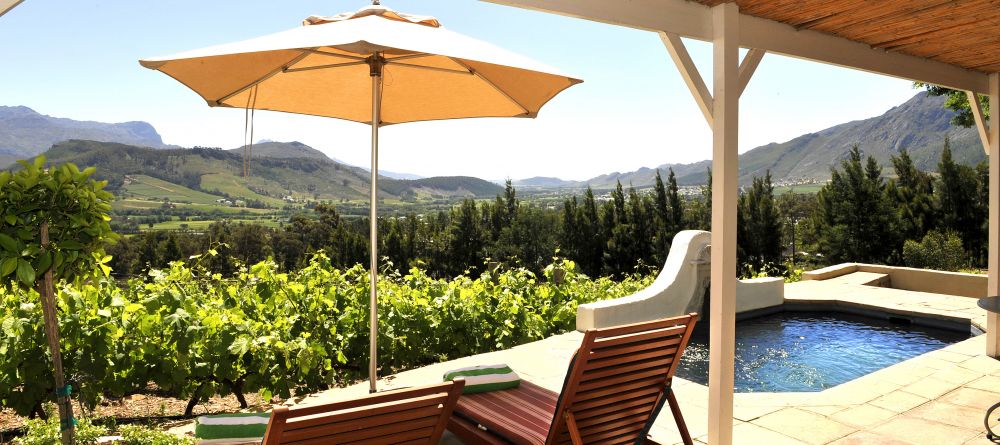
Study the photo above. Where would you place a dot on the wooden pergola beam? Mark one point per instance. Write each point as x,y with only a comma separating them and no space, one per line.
748,66
694,20
725,193
993,284
690,74
977,114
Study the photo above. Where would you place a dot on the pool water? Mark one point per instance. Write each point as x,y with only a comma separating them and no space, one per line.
812,351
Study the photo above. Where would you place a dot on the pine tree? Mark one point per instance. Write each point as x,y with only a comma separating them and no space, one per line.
855,219
663,221
594,240
759,226
961,207
913,193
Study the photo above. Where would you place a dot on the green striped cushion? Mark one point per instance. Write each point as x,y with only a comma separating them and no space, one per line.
485,378
231,426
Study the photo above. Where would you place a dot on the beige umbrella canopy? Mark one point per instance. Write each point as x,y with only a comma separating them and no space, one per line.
371,66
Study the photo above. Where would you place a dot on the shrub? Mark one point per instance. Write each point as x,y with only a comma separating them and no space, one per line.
42,432
137,435
940,251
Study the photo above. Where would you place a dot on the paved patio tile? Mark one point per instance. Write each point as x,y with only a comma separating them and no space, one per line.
951,356
985,383
958,375
826,410
750,434
972,398
805,426
930,387
955,415
982,364
924,432
863,416
899,401
869,438
748,413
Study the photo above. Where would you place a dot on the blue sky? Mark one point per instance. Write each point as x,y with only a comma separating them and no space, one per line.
78,59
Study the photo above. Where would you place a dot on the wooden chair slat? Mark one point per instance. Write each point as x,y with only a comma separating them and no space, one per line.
620,379
660,363
431,412
416,415
406,436
433,401
614,392
635,358
613,342
634,348
644,401
591,420
583,406
374,433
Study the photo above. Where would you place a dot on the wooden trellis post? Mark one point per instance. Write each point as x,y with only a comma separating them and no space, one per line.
46,289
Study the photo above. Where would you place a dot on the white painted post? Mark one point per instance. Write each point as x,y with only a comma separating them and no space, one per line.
993,288
725,131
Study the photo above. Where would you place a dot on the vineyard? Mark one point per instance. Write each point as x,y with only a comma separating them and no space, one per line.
195,334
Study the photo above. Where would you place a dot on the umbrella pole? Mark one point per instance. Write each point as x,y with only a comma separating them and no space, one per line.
375,62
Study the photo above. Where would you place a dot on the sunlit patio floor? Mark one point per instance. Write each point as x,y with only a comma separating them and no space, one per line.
938,398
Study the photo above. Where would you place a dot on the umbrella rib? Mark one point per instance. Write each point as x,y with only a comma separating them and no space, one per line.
495,87
327,53
432,68
321,67
280,69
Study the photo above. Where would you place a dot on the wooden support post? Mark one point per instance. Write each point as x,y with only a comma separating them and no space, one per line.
689,72
748,66
725,132
46,291
993,288
977,114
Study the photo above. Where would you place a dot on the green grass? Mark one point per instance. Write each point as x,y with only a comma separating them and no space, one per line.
152,189
237,187
802,189
201,225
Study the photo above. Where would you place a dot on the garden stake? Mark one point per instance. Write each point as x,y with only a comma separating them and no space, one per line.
67,424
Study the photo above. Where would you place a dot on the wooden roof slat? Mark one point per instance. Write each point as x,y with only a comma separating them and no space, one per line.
964,33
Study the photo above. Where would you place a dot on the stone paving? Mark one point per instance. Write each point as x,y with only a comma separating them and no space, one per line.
938,398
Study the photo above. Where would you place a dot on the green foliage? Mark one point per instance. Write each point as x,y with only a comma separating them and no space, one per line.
963,203
937,250
196,334
91,333
138,435
759,226
958,101
855,218
75,208
913,193
46,432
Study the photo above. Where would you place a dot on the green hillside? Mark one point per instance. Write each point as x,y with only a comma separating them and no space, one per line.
202,176
918,125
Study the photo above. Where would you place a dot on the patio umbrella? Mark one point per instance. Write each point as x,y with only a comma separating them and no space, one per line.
375,66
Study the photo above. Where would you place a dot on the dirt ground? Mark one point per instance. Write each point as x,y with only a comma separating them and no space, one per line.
148,407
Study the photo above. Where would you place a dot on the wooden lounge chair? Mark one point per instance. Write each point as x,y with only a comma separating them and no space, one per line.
615,387
407,416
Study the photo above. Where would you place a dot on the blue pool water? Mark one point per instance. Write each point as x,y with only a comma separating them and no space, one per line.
812,351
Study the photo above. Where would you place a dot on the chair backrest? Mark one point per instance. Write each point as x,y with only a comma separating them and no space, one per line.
410,416
618,381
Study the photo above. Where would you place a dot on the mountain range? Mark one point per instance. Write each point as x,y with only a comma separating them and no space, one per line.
919,125
273,179
25,133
